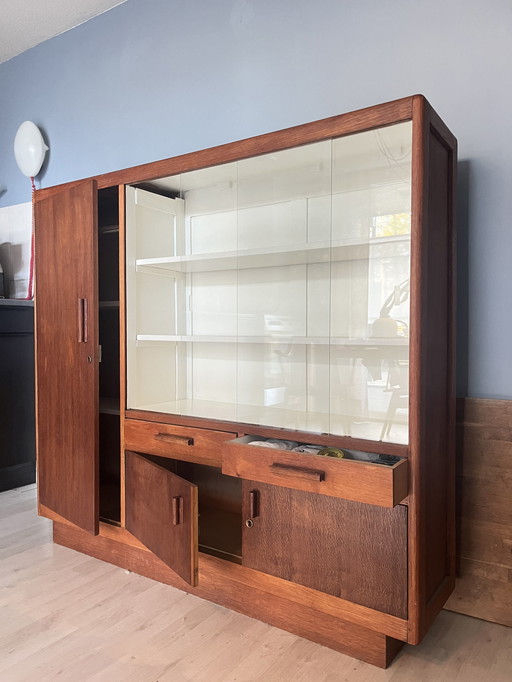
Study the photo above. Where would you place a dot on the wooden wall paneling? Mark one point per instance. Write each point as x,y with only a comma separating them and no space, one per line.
484,574
348,549
66,315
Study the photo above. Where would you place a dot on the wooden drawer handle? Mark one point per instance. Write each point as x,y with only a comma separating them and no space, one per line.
171,438
297,472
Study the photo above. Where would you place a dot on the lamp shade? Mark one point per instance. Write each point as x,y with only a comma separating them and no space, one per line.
29,149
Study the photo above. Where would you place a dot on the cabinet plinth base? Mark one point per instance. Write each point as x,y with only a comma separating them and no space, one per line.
300,619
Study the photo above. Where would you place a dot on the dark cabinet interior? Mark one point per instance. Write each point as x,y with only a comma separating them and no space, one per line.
109,365
17,429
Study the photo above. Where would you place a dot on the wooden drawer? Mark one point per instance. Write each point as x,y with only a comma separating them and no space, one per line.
177,442
375,484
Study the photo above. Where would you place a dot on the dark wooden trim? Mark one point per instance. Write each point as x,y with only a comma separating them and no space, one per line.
419,209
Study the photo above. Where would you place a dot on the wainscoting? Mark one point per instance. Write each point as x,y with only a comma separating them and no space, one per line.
484,482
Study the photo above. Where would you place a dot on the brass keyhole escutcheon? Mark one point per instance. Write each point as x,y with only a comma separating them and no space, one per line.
249,523
89,359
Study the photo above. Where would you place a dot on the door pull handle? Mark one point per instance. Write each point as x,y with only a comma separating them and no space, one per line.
177,510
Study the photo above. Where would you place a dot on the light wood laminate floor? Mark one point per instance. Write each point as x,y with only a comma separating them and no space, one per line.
67,617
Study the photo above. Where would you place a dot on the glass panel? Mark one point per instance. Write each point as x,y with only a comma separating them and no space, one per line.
275,290
369,355
285,212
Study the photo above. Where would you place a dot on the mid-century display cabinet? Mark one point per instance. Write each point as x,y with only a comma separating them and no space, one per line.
203,322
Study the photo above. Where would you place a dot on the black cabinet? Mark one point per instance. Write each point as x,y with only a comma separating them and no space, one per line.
17,439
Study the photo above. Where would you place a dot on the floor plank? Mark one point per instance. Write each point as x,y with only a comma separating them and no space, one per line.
65,616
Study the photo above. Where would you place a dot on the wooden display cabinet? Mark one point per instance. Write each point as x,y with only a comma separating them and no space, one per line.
208,325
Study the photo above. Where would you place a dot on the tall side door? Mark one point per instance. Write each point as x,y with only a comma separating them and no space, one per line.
66,327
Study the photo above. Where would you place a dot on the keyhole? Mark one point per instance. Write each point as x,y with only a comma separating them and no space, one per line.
89,359
249,523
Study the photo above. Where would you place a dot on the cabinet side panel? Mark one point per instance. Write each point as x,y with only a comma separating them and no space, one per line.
438,446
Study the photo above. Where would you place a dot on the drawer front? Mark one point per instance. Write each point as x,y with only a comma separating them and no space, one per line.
176,442
375,484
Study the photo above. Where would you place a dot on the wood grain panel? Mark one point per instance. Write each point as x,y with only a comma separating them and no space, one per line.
161,512
484,578
360,481
67,353
178,442
347,549
484,591
235,587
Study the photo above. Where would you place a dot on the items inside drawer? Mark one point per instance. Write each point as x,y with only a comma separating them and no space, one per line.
321,450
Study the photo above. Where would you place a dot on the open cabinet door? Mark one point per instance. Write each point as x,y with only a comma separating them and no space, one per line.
67,354
161,512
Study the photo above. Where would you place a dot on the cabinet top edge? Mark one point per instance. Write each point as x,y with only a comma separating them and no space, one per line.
368,118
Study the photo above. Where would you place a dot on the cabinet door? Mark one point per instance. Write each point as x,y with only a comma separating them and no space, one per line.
161,512
348,549
67,345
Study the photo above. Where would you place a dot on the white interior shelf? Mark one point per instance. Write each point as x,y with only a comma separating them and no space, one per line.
269,257
306,340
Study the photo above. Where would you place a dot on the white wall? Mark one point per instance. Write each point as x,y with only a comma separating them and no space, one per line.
15,243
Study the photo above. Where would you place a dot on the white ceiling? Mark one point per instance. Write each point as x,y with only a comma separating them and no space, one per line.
26,23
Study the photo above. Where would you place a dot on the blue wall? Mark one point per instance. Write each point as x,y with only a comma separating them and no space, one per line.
155,78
